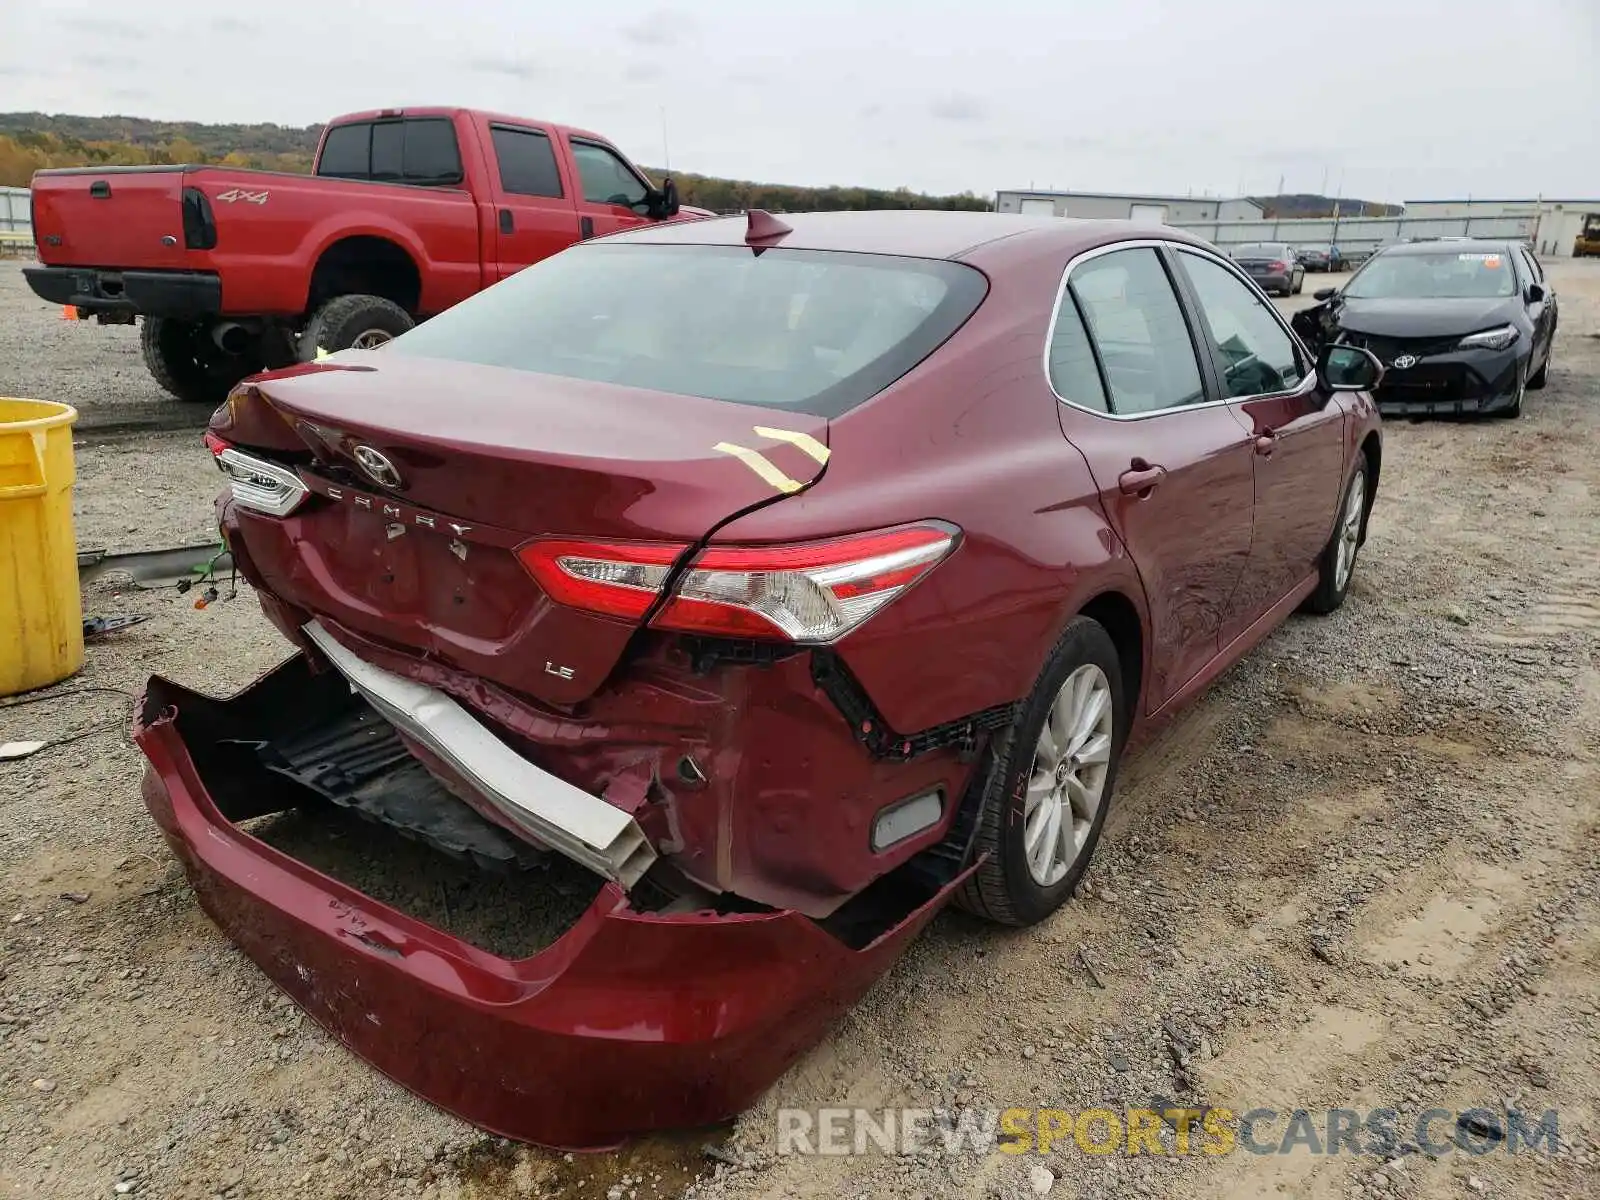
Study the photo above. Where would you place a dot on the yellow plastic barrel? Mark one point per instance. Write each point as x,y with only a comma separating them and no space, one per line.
41,614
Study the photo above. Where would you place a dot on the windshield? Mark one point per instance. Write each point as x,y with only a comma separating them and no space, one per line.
1262,250
1435,275
816,331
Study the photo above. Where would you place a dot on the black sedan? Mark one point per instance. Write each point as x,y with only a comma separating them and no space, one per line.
1463,327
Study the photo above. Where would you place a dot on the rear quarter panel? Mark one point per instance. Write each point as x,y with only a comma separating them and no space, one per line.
970,436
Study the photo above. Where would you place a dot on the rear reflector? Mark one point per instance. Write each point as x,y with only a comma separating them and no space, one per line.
812,593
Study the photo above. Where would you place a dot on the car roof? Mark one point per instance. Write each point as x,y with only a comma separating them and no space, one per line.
914,233
1467,245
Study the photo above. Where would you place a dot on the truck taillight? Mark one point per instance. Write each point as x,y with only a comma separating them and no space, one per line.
809,593
199,225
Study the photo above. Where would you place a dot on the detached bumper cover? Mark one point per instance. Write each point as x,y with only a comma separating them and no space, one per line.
627,1023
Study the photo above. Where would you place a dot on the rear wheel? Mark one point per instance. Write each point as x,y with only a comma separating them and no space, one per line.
353,322
185,359
1049,783
1299,285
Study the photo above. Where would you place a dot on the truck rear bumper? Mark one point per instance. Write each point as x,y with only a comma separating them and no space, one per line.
188,295
628,1022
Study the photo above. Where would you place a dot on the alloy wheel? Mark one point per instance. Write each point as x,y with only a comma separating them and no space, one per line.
371,339
1350,530
1070,763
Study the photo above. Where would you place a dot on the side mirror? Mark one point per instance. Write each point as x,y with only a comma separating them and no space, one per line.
1324,293
1535,293
664,203
1349,369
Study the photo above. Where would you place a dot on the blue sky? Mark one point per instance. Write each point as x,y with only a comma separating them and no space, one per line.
1397,99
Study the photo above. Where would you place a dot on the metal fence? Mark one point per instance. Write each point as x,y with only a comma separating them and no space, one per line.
1358,236
14,216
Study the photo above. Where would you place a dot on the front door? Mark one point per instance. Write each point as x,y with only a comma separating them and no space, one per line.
613,193
1174,471
1296,432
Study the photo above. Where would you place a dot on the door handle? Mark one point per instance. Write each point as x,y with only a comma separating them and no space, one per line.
507,221
585,227
1265,444
1140,479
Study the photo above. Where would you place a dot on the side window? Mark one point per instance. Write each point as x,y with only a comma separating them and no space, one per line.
388,151
527,162
606,179
346,152
1254,353
1074,374
1138,327
1531,264
431,155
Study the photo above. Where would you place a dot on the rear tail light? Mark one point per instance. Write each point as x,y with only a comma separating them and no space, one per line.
619,579
811,593
1278,266
256,483
199,225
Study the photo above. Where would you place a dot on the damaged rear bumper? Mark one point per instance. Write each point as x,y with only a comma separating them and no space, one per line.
628,1022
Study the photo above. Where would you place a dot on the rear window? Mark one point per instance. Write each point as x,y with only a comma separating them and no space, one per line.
814,331
1261,250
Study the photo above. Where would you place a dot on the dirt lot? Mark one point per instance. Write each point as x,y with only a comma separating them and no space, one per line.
1364,870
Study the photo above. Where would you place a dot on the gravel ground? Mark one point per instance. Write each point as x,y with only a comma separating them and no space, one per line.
1363,870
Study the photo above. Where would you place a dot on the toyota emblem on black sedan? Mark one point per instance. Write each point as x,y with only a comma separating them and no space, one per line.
376,466
1406,360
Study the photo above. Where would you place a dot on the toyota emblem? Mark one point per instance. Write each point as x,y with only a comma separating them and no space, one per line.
376,466
1406,360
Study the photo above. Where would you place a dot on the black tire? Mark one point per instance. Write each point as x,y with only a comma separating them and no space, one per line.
1524,382
1003,889
188,364
1331,590
345,320
1299,286
1539,378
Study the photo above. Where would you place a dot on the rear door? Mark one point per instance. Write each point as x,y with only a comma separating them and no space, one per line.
1296,432
612,193
534,217
1174,468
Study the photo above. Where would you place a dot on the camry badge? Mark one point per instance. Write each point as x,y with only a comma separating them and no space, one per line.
376,467
1406,360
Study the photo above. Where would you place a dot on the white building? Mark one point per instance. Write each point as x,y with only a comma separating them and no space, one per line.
1151,210
1555,224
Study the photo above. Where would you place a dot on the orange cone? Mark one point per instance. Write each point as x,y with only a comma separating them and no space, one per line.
69,312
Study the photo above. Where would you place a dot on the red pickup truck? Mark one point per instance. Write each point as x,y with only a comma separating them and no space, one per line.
407,212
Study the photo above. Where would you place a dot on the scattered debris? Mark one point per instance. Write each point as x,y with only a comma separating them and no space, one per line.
97,626
1094,976
720,1155
76,897
11,750
1042,1178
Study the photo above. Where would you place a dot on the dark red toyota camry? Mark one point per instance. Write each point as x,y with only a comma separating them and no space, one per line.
790,577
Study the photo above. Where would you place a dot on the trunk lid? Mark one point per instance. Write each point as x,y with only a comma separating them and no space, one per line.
113,217
476,461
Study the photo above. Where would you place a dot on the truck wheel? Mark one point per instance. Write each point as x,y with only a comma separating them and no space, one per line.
353,323
186,361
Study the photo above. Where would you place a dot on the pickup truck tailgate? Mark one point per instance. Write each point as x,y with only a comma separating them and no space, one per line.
94,218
